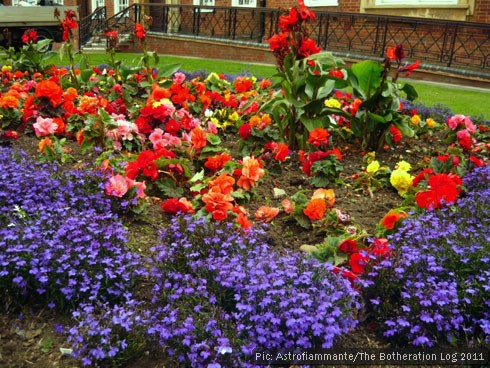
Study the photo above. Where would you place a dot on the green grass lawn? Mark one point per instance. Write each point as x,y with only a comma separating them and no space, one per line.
460,99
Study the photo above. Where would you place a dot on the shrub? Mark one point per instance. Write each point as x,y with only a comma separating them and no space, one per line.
436,284
59,242
226,294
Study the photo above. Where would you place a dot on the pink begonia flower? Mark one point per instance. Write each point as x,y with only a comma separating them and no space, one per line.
179,78
117,186
469,125
159,139
212,128
140,187
155,136
44,126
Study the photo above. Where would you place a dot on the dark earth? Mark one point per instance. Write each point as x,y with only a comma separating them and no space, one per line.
28,338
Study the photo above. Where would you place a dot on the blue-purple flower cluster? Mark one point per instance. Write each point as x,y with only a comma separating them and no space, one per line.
60,244
225,294
437,283
108,333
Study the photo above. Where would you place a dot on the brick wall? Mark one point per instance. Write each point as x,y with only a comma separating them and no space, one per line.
207,49
482,11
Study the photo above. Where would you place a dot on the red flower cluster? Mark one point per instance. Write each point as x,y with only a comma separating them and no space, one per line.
140,31
145,164
443,188
294,36
30,35
317,156
69,23
174,206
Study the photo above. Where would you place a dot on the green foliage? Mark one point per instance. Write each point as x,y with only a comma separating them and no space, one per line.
326,171
32,57
380,106
297,108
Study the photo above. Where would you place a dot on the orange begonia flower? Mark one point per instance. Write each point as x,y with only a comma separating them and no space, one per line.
9,102
252,172
391,218
223,183
198,138
51,91
43,143
326,194
243,221
315,209
217,204
266,213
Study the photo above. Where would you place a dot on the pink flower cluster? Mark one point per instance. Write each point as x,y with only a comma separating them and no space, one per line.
118,186
464,127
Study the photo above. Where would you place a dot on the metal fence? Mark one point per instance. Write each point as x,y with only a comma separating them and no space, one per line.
449,44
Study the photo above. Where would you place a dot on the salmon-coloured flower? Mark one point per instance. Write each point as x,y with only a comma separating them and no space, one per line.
287,205
252,172
315,209
266,213
117,186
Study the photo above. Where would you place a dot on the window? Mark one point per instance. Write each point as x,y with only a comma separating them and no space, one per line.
416,2
203,2
120,5
313,3
35,2
244,3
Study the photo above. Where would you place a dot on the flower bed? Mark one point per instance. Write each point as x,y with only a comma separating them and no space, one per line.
214,159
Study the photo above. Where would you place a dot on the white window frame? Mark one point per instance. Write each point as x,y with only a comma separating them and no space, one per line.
316,3
118,6
244,3
415,2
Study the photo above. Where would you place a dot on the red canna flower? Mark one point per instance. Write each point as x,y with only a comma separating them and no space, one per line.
30,35
140,31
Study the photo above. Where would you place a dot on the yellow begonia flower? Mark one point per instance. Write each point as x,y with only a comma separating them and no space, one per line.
401,181
415,119
161,102
403,165
332,102
234,116
6,68
373,167
430,122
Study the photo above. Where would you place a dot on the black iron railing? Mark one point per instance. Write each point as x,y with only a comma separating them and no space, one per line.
124,21
91,24
453,44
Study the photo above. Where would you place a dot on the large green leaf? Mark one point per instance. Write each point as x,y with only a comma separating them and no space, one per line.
168,70
368,74
312,123
410,91
404,128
